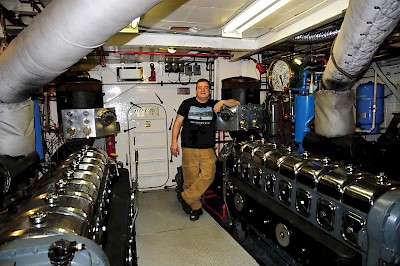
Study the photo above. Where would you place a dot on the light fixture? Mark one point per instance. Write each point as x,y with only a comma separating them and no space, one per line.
254,13
135,22
300,16
133,27
171,50
297,61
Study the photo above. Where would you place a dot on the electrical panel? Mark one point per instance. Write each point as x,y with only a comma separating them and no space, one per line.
87,123
174,65
188,70
196,70
242,117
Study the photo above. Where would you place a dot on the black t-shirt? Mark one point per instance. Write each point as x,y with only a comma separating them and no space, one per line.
199,125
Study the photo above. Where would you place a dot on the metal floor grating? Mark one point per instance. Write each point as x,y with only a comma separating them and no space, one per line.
165,235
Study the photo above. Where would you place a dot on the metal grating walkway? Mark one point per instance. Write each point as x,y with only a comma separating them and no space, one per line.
165,235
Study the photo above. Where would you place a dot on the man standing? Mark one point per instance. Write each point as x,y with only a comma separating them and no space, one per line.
197,118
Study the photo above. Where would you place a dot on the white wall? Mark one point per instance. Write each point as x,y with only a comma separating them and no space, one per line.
120,95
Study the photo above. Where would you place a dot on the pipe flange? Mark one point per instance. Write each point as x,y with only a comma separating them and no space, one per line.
282,235
238,201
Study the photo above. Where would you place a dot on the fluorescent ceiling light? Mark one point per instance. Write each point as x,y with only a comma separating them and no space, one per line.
253,14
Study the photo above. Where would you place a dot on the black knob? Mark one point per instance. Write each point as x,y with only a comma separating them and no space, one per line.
62,252
226,115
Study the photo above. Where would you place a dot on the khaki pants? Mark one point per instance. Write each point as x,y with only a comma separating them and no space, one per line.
198,168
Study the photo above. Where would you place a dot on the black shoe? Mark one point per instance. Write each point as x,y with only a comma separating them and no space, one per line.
186,207
195,215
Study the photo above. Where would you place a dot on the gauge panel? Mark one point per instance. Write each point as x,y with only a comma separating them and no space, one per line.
280,75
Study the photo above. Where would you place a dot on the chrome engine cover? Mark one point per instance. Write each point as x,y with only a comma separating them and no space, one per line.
63,223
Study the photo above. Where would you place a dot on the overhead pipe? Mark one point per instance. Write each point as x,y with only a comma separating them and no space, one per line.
315,37
169,54
387,82
56,39
45,2
35,6
365,26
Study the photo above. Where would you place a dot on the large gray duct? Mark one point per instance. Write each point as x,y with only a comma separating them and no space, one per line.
57,38
366,25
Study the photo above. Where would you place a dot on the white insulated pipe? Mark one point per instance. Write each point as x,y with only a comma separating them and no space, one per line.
56,39
366,25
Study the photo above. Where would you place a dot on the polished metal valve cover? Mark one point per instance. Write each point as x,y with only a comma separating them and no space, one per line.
315,209
68,210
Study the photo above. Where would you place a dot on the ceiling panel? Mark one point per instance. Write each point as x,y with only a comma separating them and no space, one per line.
204,15
224,4
209,16
289,14
205,19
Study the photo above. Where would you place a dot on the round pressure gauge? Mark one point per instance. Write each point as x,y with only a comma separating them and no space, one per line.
280,75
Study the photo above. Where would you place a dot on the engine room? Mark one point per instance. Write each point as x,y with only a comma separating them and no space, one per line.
306,170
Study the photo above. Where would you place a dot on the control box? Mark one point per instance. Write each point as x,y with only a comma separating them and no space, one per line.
242,117
88,123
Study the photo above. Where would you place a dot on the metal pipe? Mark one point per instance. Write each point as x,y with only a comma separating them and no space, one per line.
315,37
387,82
169,54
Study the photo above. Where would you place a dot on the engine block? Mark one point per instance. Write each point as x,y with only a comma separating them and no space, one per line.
63,223
311,210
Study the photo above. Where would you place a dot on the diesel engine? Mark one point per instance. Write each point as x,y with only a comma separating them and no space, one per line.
64,222
309,210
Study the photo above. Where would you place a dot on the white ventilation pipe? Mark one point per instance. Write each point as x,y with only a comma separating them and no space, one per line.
366,25
56,39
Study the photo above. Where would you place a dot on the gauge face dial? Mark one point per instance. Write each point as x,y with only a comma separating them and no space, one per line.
280,75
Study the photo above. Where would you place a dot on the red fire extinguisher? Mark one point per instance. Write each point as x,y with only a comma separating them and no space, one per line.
152,73
110,147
